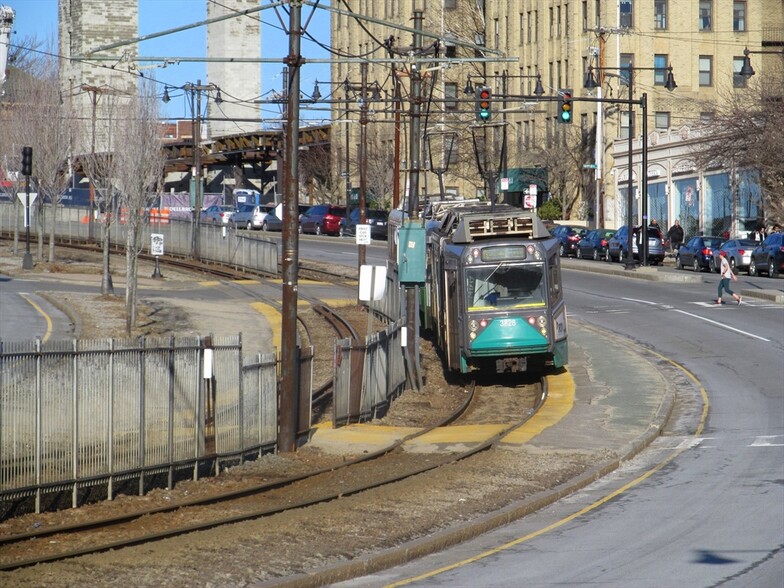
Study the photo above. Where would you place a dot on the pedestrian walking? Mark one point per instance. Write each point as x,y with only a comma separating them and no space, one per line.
675,235
726,275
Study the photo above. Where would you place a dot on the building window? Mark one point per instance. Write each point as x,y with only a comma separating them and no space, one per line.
450,3
450,50
706,15
528,37
522,28
552,23
706,70
659,69
585,15
625,118
738,16
452,153
627,59
627,14
450,96
566,20
662,120
558,22
598,11
738,81
660,14
707,117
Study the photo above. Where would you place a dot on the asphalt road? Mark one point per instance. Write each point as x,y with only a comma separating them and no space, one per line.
702,509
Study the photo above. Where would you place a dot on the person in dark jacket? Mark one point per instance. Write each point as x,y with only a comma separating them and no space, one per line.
675,235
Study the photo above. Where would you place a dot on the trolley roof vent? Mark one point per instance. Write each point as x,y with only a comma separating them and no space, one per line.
474,223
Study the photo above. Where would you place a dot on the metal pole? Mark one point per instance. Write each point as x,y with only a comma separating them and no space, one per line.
197,165
289,359
644,179
630,196
27,259
348,155
363,121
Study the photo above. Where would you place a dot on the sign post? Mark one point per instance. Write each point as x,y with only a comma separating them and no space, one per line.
156,249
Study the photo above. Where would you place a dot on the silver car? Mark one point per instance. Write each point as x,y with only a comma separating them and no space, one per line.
249,216
217,214
738,254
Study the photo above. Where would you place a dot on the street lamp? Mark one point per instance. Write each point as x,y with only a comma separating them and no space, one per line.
444,148
669,84
746,71
194,92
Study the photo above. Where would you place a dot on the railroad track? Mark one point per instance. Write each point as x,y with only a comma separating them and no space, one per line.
339,480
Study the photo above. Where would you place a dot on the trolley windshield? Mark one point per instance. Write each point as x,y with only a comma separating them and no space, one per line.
505,285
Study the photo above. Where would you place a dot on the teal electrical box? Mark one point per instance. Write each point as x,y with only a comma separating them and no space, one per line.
411,253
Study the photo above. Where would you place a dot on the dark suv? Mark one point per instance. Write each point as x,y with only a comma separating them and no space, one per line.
322,219
617,246
568,236
376,218
769,256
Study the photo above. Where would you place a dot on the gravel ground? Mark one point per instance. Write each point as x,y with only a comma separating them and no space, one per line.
250,553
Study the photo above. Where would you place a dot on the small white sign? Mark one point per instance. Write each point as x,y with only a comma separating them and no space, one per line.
22,197
372,282
156,244
504,183
529,201
533,189
363,234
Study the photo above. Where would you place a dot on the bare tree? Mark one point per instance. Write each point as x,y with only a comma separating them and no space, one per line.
100,167
138,173
745,134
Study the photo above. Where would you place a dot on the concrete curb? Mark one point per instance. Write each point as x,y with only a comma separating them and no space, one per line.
72,316
441,540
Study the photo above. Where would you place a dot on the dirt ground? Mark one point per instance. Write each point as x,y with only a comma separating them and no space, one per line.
305,540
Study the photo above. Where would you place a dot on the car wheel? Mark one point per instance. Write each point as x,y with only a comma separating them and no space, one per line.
562,250
752,268
678,264
300,229
732,265
772,269
696,266
341,231
318,229
620,256
712,266
249,226
264,226
596,256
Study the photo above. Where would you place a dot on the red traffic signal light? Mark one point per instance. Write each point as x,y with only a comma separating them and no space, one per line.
565,106
484,98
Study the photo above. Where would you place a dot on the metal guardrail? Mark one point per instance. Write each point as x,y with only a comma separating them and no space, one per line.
89,413
217,244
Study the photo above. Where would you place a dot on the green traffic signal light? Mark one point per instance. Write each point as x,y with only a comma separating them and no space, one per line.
565,106
483,103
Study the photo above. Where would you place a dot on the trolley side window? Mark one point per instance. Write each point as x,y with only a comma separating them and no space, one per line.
505,286
555,280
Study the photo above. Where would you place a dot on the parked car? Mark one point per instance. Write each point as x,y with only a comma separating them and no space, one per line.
249,216
217,214
617,245
322,219
594,244
569,237
271,221
377,219
697,252
738,254
768,256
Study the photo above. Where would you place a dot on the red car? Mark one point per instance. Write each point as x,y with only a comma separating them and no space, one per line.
323,219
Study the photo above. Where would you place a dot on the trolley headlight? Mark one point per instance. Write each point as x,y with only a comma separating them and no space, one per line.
472,335
542,320
531,321
543,331
473,325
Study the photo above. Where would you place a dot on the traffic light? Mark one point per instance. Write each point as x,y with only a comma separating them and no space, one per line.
565,106
27,161
484,98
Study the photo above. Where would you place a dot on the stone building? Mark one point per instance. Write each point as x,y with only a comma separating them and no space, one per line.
556,42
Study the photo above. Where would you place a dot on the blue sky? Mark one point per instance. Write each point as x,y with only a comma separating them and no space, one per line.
39,18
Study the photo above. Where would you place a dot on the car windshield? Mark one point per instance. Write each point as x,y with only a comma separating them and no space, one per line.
245,208
505,286
713,243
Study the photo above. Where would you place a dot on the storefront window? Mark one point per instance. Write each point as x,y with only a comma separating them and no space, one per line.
718,204
657,204
686,205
